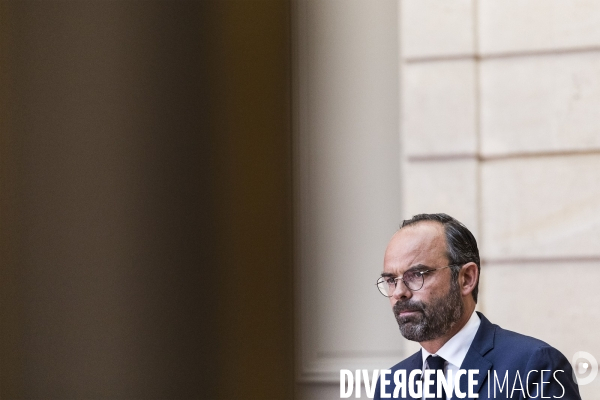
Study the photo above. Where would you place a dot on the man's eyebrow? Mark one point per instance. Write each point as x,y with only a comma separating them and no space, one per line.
412,268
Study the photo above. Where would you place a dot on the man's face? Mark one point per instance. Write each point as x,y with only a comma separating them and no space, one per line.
430,312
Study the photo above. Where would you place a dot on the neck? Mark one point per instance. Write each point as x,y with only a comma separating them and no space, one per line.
434,345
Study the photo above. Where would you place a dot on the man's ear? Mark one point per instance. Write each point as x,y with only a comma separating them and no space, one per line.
468,278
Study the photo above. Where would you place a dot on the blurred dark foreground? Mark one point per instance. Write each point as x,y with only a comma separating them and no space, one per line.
145,200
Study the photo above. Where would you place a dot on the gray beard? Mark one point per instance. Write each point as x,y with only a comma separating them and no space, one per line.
433,319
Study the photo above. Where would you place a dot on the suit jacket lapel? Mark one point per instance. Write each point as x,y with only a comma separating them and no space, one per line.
414,362
475,358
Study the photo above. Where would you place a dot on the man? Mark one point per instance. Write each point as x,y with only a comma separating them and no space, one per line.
431,276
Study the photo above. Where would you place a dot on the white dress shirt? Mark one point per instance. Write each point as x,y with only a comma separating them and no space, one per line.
455,350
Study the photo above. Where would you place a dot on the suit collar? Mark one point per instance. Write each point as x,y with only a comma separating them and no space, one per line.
414,362
484,339
475,358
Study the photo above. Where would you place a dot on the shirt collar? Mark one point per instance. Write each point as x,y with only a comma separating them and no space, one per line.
455,350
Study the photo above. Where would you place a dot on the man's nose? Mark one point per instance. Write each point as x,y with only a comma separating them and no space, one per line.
401,291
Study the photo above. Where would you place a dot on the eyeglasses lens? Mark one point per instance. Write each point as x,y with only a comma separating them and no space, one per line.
412,279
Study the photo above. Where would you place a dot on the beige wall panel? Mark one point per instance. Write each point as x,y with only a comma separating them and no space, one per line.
438,108
540,103
550,301
525,25
436,28
442,186
541,207
347,185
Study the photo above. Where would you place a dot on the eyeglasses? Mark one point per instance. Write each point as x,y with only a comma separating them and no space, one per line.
413,279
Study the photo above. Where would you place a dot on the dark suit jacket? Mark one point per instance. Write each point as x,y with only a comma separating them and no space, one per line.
498,352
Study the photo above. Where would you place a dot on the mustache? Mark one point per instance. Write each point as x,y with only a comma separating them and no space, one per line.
408,305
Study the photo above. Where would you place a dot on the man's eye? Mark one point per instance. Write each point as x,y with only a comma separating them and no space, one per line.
412,275
390,281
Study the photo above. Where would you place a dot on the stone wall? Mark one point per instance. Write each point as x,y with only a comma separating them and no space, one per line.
498,126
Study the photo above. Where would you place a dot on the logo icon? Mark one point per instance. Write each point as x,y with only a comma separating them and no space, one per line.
585,368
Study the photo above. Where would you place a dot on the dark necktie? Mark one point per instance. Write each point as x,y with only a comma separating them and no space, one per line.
437,364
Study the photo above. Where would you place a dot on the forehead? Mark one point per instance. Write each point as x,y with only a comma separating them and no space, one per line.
421,243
